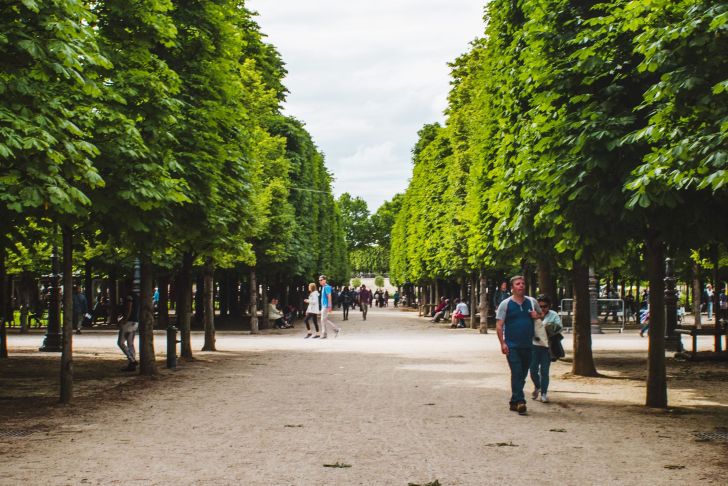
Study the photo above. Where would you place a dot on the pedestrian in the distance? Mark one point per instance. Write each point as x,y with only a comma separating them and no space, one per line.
546,327
327,302
515,329
346,301
365,300
501,294
313,310
80,308
127,331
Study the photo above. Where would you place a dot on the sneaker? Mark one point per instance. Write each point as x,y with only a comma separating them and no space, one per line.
336,333
534,395
544,398
324,337
316,336
521,408
307,336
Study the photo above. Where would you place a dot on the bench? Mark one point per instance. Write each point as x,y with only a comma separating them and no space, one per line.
694,332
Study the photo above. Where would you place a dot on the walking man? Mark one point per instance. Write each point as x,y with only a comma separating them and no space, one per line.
80,308
514,326
327,302
365,300
127,331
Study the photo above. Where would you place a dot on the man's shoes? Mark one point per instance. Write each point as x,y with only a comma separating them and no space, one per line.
324,337
336,333
513,406
544,398
521,408
130,367
534,395
307,336
460,326
78,331
316,336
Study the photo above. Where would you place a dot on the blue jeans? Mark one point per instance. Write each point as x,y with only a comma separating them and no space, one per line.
540,364
710,309
519,359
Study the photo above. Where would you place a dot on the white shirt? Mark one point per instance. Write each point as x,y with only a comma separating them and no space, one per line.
462,308
313,303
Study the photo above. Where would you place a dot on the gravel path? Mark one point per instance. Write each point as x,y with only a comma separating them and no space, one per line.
395,399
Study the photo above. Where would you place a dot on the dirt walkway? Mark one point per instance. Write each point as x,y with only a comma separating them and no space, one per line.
397,399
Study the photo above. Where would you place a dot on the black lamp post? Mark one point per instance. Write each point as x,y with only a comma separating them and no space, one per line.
52,341
673,341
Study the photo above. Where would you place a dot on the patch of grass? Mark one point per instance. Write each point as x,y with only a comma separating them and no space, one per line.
338,464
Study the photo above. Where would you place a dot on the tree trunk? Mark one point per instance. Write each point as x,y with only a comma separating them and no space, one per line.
235,295
147,362
88,283
113,297
67,341
254,329
656,373
546,280
163,304
24,300
184,305
583,363
199,301
264,304
697,295
3,304
209,304
473,300
224,295
483,304
716,299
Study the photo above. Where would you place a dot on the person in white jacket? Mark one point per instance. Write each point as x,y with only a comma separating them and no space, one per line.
313,310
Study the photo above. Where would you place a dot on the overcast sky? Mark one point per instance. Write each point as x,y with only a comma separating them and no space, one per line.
365,76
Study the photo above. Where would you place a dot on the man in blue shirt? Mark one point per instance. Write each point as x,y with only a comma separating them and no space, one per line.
514,326
327,302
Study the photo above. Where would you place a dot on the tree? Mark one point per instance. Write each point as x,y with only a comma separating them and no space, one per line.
45,154
355,218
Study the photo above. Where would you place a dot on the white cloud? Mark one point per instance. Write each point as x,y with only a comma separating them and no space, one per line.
365,77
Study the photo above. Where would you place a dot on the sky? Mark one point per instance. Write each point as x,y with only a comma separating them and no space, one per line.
364,77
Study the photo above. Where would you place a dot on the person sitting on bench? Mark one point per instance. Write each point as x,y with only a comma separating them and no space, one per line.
275,315
461,312
440,310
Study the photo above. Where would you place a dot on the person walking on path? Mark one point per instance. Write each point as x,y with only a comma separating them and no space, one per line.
346,301
365,300
127,331
709,300
515,329
80,308
501,294
313,310
327,302
540,356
